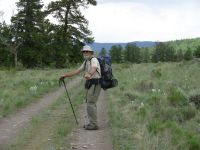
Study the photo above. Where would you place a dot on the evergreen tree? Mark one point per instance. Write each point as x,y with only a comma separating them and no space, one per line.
116,53
145,55
179,55
72,30
28,21
103,52
9,47
188,54
197,52
163,52
132,53
73,23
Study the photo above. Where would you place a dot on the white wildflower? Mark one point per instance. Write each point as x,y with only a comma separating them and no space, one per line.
33,88
153,90
141,105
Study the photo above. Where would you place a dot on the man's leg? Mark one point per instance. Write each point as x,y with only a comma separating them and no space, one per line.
92,97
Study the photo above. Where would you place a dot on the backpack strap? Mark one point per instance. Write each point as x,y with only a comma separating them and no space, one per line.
86,62
90,64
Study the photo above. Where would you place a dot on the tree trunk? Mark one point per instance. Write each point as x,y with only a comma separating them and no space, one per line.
15,55
66,22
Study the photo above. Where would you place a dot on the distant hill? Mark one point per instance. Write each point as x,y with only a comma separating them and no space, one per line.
98,46
182,44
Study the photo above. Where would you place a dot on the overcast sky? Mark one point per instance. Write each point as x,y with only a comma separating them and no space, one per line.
137,20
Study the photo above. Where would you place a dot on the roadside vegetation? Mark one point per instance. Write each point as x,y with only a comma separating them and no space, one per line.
19,88
156,106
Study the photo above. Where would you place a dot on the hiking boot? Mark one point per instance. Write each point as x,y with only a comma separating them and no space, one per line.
90,127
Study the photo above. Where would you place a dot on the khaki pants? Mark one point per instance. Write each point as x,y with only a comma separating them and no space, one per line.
92,97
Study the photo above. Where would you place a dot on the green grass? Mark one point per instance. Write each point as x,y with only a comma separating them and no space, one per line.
150,109
19,88
51,128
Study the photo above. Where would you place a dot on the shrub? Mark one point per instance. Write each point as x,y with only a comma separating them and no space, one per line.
196,100
144,86
154,127
130,96
193,143
176,96
197,52
188,112
154,100
156,73
169,114
142,112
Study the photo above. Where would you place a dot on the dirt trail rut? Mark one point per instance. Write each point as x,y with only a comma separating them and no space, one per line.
12,124
97,139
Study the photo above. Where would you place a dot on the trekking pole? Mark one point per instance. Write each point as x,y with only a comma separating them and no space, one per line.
62,81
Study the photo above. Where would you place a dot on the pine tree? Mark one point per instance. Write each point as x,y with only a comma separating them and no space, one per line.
145,55
72,30
103,52
28,22
179,55
8,44
132,53
116,53
197,52
163,52
188,54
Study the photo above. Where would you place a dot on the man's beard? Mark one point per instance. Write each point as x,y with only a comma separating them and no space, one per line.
86,57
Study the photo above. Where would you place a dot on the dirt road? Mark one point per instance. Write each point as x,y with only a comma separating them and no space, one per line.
97,139
81,139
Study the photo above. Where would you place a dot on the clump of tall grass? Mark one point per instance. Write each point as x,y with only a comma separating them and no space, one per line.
144,86
196,100
177,97
157,73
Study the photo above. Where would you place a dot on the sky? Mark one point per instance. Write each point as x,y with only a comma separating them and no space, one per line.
136,20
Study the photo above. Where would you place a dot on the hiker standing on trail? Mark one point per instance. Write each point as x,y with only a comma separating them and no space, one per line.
92,76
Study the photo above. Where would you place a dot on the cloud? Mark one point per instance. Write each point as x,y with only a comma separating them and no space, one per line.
8,7
129,21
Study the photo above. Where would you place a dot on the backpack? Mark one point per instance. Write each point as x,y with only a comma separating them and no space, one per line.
107,81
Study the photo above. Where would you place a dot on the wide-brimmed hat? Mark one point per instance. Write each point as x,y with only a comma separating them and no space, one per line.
87,48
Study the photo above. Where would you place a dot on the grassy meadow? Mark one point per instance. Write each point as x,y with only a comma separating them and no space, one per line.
151,108
19,88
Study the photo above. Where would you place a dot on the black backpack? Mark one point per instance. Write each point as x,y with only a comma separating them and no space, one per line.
107,80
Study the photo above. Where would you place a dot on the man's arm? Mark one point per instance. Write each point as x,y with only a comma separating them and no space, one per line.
90,73
70,74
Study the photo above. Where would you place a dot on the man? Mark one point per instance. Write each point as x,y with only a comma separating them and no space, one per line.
92,76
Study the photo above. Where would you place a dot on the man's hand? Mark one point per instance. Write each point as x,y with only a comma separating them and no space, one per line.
62,77
87,76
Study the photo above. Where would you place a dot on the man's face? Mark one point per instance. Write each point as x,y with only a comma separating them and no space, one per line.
86,54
